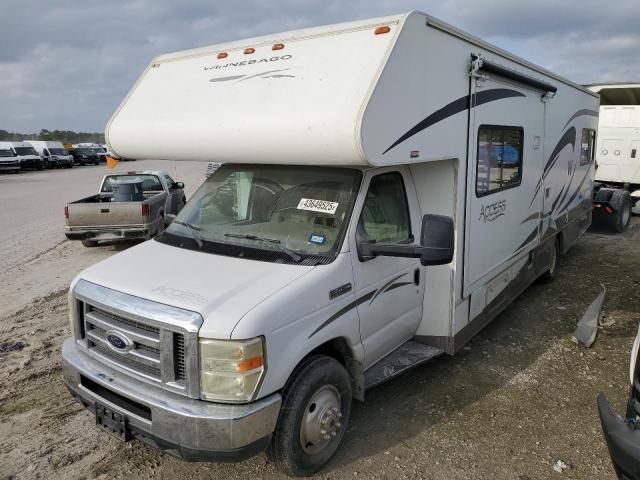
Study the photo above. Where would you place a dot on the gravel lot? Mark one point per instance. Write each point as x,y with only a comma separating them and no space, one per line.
519,398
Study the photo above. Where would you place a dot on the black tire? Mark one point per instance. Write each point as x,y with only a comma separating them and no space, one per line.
96,163
621,203
161,225
551,274
90,243
322,379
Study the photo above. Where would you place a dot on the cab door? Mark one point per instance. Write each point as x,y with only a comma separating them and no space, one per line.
389,290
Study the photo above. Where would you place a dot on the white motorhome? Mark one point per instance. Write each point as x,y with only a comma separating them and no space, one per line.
24,153
53,153
388,187
618,152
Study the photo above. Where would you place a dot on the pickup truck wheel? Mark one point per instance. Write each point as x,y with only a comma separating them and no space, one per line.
313,418
90,243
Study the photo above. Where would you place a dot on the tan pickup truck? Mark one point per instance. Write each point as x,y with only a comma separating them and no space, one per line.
105,217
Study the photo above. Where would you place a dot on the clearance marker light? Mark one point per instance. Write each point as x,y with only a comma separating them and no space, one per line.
222,55
380,30
277,46
249,51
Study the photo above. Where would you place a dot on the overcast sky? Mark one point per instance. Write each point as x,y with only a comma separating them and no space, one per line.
67,64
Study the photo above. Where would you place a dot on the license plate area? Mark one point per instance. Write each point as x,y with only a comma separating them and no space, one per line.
112,422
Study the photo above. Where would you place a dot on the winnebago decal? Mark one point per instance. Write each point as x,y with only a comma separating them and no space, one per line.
492,211
254,61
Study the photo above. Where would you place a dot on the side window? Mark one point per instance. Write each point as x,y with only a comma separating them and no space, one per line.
170,183
385,214
587,146
499,158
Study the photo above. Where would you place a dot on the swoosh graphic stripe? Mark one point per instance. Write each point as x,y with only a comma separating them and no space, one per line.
533,216
398,285
457,106
342,311
581,113
575,193
531,236
383,288
569,138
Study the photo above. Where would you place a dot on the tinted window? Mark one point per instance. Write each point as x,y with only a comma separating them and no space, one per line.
587,146
499,158
385,214
25,151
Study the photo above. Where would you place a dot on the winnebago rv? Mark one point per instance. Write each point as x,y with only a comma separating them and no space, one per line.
388,187
618,152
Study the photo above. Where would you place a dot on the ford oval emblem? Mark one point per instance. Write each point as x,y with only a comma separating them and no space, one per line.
118,341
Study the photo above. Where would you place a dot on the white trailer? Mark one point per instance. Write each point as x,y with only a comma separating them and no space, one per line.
388,187
617,191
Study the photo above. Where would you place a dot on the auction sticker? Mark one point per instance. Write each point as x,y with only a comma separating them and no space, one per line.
322,206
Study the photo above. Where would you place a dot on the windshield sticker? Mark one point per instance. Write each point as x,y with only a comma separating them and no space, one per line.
317,238
318,205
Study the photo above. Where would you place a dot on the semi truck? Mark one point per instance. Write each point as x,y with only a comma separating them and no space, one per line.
617,188
387,188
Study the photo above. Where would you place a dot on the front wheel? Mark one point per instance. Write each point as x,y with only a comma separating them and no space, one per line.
314,416
89,243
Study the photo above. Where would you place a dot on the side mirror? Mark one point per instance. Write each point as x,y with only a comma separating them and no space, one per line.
436,243
169,218
179,185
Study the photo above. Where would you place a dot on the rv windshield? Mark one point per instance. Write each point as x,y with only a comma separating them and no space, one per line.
282,213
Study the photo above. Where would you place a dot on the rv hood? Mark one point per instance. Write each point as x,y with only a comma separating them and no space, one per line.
221,289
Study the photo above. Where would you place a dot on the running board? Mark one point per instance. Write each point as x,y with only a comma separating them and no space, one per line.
406,357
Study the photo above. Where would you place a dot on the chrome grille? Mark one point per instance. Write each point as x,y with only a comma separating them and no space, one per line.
163,339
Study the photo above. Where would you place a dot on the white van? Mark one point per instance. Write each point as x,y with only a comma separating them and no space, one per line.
25,154
9,161
53,153
388,187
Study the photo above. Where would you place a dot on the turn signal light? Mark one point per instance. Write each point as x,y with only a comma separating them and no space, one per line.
66,211
250,364
277,46
223,55
380,30
248,51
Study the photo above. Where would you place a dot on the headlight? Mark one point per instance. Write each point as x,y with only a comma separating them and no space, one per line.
72,313
230,370
634,356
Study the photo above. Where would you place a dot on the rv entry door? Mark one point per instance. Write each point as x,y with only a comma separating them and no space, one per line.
505,165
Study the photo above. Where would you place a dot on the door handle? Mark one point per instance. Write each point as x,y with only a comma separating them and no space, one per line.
416,276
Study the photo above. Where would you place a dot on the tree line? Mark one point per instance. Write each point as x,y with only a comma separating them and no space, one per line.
64,136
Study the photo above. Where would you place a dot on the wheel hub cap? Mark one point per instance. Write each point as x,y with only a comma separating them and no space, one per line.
321,421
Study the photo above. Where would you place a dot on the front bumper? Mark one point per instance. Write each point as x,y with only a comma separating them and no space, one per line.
107,234
193,430
623,441
11,165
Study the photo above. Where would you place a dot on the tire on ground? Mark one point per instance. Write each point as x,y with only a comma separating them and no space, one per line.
317,375
621,203
552,272
90,243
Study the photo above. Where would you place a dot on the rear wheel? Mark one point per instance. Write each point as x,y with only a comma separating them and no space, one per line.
314,416
552,272
90,243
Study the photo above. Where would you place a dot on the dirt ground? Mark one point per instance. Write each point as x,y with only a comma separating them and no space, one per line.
517,399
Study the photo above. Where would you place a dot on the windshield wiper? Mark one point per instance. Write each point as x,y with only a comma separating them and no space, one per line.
293,255
195,231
